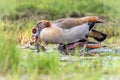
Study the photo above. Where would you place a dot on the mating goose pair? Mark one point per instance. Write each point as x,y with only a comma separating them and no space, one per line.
67,30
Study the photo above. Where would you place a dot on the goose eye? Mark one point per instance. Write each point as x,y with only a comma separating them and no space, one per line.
34,30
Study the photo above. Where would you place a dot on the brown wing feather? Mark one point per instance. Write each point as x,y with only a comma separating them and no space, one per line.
71,22
89,19
99,36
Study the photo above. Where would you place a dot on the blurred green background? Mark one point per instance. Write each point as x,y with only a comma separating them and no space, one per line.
54,9
17,17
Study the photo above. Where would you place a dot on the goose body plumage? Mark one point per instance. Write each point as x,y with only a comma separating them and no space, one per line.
66,30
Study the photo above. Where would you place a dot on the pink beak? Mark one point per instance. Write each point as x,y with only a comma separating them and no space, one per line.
35,38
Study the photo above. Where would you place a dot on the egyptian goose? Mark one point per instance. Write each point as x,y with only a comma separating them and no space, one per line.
98,36
66,23
68,30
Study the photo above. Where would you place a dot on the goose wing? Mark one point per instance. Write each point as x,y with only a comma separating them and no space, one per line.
67,23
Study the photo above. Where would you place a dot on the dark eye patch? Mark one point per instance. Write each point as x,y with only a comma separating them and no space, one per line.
34,30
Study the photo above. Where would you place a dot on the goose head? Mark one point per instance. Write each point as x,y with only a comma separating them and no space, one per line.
39,26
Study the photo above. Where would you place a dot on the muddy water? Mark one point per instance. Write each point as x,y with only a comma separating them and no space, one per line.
95,53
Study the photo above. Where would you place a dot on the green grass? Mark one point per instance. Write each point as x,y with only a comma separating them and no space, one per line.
54,9
19,16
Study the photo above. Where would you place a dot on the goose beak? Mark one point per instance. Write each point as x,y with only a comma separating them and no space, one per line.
35,38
